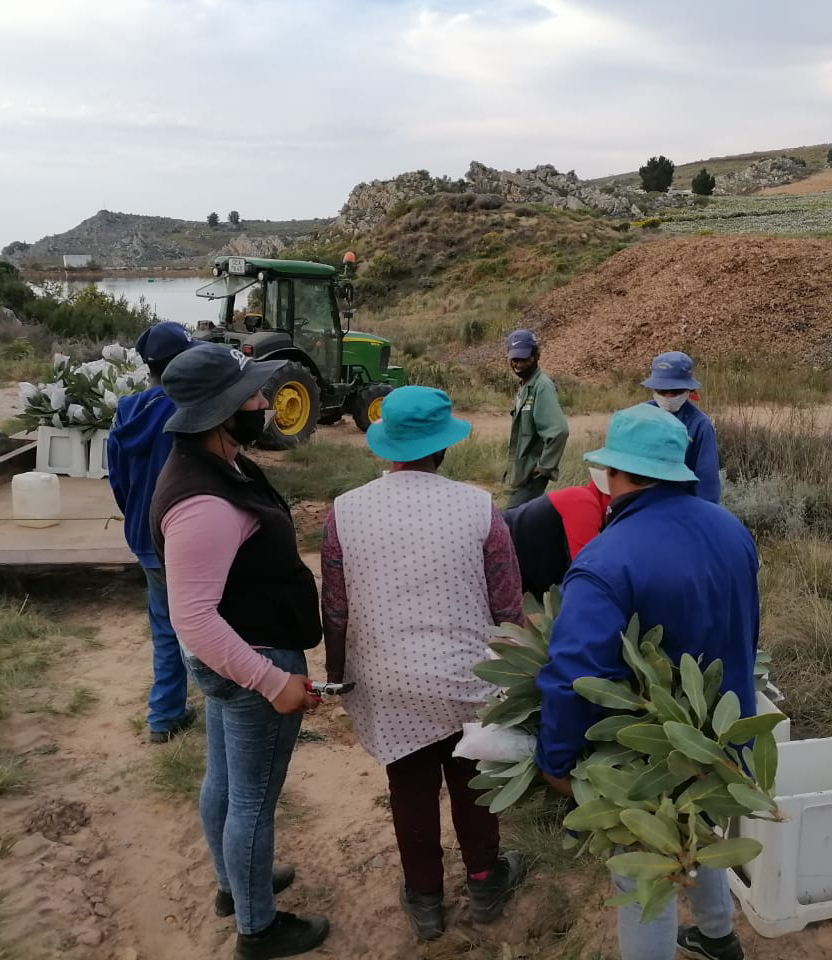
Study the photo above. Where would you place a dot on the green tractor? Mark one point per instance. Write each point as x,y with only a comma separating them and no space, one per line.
289,310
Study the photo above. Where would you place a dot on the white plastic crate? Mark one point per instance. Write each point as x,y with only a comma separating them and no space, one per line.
790,883
783,731
98,455
62,450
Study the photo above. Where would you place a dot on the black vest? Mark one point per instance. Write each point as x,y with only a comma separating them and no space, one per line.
270,597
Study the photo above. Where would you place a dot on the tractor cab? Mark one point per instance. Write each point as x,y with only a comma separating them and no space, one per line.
288,309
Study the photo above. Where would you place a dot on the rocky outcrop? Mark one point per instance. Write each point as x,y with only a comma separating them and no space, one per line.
369,203
129,241
769,172
545,184
243,245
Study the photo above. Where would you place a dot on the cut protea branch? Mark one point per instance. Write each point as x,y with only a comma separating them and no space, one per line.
673,760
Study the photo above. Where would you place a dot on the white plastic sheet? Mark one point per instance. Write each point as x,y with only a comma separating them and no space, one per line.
491,742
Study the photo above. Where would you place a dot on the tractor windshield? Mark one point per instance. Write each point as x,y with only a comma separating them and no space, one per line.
224,287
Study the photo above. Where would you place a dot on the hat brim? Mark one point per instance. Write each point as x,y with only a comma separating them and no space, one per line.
671,383
208,415
642,466
407,450
520,353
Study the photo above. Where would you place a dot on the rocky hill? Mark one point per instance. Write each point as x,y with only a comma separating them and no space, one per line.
745,166
369,203
126,240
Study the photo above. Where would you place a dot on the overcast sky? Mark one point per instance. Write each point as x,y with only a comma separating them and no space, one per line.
276,109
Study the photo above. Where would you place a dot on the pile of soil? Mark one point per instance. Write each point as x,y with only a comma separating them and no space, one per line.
711,296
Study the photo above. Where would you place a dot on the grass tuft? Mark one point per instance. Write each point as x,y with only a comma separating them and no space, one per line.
13,774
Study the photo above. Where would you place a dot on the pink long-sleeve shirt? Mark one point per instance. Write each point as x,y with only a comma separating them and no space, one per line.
202,536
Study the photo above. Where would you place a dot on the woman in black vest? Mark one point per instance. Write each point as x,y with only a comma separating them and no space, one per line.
245,608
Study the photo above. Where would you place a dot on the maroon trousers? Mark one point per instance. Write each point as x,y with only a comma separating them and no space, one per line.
415,782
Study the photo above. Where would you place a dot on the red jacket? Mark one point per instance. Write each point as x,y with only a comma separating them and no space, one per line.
582,510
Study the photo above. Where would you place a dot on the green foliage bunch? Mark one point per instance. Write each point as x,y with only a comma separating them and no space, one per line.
657,174
670,764
703,183
521,652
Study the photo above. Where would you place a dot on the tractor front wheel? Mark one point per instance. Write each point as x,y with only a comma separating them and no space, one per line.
367,406
295,400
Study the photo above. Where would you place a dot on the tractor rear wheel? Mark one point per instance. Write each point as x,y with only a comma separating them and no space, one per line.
295,399
367,406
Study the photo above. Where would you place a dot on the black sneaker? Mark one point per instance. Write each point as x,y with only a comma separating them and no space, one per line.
426,913
693,943
287,936
178,726
488,896
282,877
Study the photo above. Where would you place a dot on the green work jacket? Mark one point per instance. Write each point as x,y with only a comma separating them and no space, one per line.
538,432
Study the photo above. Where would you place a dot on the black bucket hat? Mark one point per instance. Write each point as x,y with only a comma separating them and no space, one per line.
209,384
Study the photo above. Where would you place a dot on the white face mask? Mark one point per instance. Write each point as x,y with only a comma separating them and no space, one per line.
601,479
671,404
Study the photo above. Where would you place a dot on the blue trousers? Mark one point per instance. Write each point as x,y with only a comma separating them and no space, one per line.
710,902
249,748
168,695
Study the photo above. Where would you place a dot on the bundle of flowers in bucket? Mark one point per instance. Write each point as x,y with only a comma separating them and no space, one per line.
74,408
669,765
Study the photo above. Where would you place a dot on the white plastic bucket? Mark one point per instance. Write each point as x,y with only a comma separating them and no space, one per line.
36,499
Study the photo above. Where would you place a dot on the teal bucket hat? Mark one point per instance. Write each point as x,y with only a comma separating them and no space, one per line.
415,422
648,442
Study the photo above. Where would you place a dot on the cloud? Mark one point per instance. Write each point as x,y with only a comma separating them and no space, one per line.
278,108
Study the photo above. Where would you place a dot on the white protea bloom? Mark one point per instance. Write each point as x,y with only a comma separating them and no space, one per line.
77,413
141,375
56,420
114,352
57,398
133,357
60,359
27,392
110,398
123,385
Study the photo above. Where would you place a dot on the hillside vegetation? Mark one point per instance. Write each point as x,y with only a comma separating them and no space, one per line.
815,157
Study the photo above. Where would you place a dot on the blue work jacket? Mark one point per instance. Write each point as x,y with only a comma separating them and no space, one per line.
702,456
675,560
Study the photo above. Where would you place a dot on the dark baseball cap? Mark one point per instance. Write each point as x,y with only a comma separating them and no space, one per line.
163,341
210,384
521,344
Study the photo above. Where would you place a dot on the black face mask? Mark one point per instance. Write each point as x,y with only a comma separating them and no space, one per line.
246,426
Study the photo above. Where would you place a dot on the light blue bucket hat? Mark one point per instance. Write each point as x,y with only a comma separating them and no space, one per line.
415,422
646,441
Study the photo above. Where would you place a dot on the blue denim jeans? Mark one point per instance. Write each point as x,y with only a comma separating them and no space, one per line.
249,748
168,695
711,904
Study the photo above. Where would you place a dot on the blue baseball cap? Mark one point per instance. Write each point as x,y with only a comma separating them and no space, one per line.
672,371
415,422
210,384
163,341
646,441
521,344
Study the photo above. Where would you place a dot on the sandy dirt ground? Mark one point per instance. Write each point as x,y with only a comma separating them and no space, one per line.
97,864
817,183
9,403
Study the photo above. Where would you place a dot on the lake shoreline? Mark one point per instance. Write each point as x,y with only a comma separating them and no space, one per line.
148,273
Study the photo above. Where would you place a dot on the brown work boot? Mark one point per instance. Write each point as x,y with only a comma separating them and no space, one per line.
488,896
